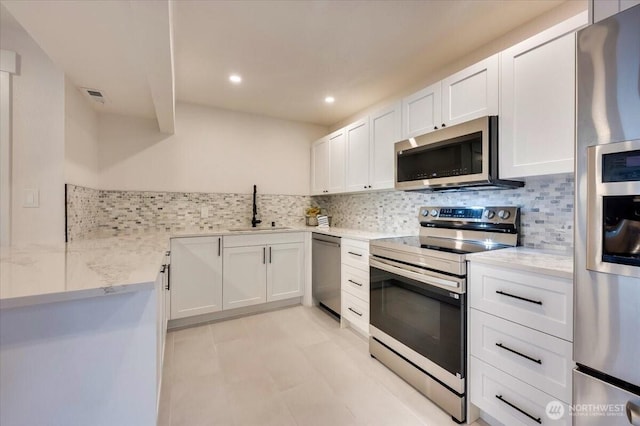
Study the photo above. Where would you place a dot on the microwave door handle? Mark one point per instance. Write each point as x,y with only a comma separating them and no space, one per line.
423,278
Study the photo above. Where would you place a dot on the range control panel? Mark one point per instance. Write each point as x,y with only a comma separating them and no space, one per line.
499,214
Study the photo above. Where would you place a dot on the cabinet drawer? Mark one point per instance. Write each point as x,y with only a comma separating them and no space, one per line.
356,282
356,311
541,360
542,302
503,396
262,239
356,254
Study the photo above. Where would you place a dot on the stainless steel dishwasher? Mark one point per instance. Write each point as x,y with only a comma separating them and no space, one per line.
326,271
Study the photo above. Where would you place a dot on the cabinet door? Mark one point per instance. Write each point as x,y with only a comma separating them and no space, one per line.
471,93
320,166
358,156
244,276
196,276
385,132
421,112
537,108
285,266
337,161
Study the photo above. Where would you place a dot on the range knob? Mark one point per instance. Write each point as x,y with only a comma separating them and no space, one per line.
425,212
489,214
434,212
504,214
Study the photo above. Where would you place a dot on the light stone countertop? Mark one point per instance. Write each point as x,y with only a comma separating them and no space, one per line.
354,234
36,274
99,266
541,261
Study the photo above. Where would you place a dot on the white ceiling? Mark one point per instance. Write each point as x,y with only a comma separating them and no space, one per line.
291,54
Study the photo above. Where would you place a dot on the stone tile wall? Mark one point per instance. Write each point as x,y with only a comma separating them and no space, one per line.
91,211
546,210
546,204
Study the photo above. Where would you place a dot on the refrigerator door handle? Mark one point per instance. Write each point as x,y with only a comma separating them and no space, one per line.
633,413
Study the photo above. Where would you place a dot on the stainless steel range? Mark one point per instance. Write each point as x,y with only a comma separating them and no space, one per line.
418,300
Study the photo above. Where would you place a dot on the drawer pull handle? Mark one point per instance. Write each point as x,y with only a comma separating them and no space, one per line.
355,254
500,345
355,312
537,302
535,419
356,283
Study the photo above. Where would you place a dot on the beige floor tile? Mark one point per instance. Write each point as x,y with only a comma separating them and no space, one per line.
293,366
287,366
256,402
313,403
194,357
199,401
225,331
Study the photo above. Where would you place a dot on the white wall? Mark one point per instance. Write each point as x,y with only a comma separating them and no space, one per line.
37,140
212,150
81,139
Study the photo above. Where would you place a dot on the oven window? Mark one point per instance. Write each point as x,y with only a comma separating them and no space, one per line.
621,230
424,318
458,157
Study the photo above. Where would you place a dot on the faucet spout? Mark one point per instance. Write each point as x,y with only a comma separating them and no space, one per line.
254,220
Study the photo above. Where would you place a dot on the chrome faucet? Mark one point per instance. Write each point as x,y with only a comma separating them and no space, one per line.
255,221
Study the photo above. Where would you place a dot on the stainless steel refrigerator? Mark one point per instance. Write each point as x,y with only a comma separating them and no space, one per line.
606,345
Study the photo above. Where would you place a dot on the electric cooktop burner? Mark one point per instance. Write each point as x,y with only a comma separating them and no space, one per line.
459,231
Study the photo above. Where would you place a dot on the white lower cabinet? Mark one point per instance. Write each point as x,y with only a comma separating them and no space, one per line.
354,278
285,271
262,268
520,344
512,401
245,279
196,276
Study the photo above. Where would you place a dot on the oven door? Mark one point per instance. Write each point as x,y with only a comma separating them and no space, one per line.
422,322
613,213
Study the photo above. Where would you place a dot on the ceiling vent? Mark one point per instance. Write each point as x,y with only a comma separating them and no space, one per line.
94,94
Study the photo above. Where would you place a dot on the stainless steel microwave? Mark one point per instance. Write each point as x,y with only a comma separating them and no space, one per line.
464,156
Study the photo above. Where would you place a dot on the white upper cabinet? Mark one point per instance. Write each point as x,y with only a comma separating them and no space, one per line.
358,155
421,111
537,108
320,166
337,162
385,130
471,93
468,94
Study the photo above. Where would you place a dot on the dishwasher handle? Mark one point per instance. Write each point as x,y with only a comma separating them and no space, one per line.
328,243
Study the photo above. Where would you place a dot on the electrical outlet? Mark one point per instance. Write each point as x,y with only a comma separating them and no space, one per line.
31,198
204,212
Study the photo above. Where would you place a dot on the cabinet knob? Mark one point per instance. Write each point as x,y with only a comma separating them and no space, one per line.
369,186
435,127
444,125
365,187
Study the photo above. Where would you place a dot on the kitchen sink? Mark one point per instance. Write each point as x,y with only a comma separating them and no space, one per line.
265,228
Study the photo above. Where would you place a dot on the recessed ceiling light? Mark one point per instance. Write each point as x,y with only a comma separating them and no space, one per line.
235,79
329,99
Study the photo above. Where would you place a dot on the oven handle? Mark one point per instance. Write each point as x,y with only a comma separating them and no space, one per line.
423,278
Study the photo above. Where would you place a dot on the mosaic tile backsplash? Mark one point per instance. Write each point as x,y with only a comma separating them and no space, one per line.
546,210
546,213
91,211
